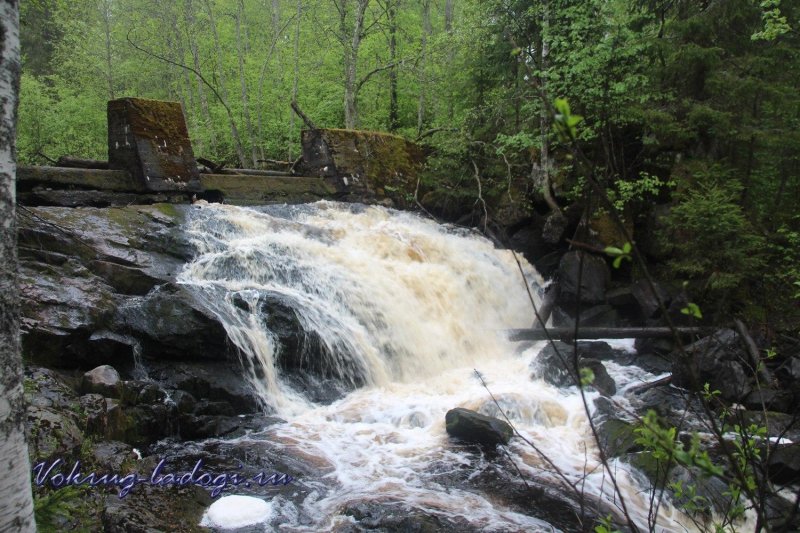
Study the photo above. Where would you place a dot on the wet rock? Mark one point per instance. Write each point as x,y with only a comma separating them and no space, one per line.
113,456
124,279
474,427
771,399
140,425
647,298
595,316
705,493
103,380
52,434
45,388
384,517
208,380
172,325
555,364
674,406
784,463
529,240
716,360
617,437
94,408
547,265
137,392
594,277
148,509
184,401
193,427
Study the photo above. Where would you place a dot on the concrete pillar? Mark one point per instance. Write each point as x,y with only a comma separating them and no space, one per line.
149,139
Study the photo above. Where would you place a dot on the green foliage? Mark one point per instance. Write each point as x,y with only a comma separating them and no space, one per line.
645,188
775,23
692,309
619,254
587,376
55,509
718,246
566,122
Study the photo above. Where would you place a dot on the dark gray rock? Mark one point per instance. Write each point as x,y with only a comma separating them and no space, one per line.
647,298
184,401
474,427
208,380
617,437
171,324
94,408
594,277
103,380
771,399
52,434
595,316
112,456
555,364
784,463
719,360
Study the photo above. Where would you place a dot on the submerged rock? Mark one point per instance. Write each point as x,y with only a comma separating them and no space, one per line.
474,427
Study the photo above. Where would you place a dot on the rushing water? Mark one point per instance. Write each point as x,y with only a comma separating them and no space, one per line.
401,311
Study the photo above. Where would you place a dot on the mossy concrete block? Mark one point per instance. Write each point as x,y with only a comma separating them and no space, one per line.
368,163
149,139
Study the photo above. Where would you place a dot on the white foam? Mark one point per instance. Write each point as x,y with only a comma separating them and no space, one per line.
232,512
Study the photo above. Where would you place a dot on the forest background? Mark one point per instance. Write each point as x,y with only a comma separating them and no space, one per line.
691,108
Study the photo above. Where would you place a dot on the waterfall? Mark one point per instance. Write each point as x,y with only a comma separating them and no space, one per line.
397,312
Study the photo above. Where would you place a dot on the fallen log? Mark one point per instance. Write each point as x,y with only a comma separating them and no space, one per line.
77,162
247,172
602,333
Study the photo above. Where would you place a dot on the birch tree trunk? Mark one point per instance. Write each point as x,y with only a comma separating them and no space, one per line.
351,64
223,89
296,79
394,118
189,16
241,50
540,174
427,29
16,500
106,15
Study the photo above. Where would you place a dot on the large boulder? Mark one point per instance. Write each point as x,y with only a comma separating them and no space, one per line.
474,427
719,360
593,274
103,380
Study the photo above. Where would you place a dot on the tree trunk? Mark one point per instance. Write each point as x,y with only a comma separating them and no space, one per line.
106,14
237,142
240,49
296,79
540,173
394,119
427,29
351,48
200,89
16,500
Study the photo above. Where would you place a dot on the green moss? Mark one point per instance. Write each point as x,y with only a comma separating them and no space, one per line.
167,209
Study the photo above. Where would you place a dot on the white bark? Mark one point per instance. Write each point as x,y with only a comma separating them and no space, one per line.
351,49
16,501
